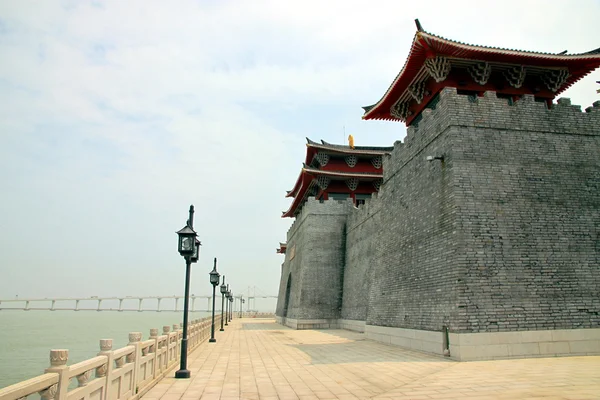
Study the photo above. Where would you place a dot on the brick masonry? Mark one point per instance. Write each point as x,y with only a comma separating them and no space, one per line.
501,235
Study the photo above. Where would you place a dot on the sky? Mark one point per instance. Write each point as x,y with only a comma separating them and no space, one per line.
115,116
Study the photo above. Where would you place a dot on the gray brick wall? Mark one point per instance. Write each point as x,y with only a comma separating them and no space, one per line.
319,238
362,231
528,202
503,234
414,271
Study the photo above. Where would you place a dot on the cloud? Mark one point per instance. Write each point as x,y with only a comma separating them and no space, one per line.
115,116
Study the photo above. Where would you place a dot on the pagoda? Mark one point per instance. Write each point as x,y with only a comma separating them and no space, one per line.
435,62
282,248
338,172
483,240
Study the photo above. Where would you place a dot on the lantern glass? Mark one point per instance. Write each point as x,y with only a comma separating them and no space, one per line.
187,238
195,256
214,277
223,289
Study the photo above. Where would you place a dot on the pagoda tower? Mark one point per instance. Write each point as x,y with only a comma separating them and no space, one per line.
337,172
481,237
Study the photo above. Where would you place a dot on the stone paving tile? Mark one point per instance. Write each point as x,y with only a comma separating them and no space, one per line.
260,360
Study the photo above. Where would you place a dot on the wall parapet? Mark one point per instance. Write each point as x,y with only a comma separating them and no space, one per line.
314,206
524,114
489,112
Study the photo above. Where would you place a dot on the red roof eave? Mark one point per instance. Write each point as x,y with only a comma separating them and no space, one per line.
299,197
424,43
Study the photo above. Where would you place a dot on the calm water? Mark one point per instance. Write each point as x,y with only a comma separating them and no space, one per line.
26,337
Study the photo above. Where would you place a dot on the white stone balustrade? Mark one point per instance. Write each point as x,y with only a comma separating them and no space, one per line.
123,374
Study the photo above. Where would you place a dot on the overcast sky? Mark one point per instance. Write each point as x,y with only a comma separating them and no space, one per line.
116,116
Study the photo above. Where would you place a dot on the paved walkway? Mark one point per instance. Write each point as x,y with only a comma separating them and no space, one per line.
258,359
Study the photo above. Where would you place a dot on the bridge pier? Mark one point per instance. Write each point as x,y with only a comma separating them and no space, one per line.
52,308
140,305
121,305
76,305
158,306
193,304
27,305
99,302
176,303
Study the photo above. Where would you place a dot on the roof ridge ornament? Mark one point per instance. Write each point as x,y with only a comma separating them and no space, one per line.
352,183
515,76
417,91
438,67
351,160
322,158
323,182
555,79
480,72
399,110
377,184
377,162
419,26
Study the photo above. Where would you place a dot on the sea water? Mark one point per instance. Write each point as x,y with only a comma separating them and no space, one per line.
26,337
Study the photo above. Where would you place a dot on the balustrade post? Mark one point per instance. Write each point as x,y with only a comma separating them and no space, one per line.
166,331
58,364
134,340
104,371
154,349
177,347
195,333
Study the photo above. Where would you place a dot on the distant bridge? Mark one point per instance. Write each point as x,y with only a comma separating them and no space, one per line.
73,303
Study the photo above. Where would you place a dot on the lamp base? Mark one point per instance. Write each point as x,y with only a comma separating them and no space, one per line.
182,374
221,330
212,340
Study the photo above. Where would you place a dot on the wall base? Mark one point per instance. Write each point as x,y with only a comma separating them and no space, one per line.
493,345
470,346
308,323
352,325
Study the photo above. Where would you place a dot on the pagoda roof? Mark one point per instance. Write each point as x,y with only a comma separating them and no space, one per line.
427,46
341,174
306,181
282,248
312,148
343,149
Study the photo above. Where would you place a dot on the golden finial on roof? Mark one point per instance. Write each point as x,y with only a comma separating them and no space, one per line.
351,141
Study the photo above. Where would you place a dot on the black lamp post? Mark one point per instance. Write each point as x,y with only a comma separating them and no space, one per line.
227,305
189,248
231,305
242,301
214,281
223,290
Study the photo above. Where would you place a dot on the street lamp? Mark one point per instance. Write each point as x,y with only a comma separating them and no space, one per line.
231,305
188,248
223,290
242,301
227,293
214,281
196,255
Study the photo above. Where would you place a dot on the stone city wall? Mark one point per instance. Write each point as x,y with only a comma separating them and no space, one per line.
499,233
